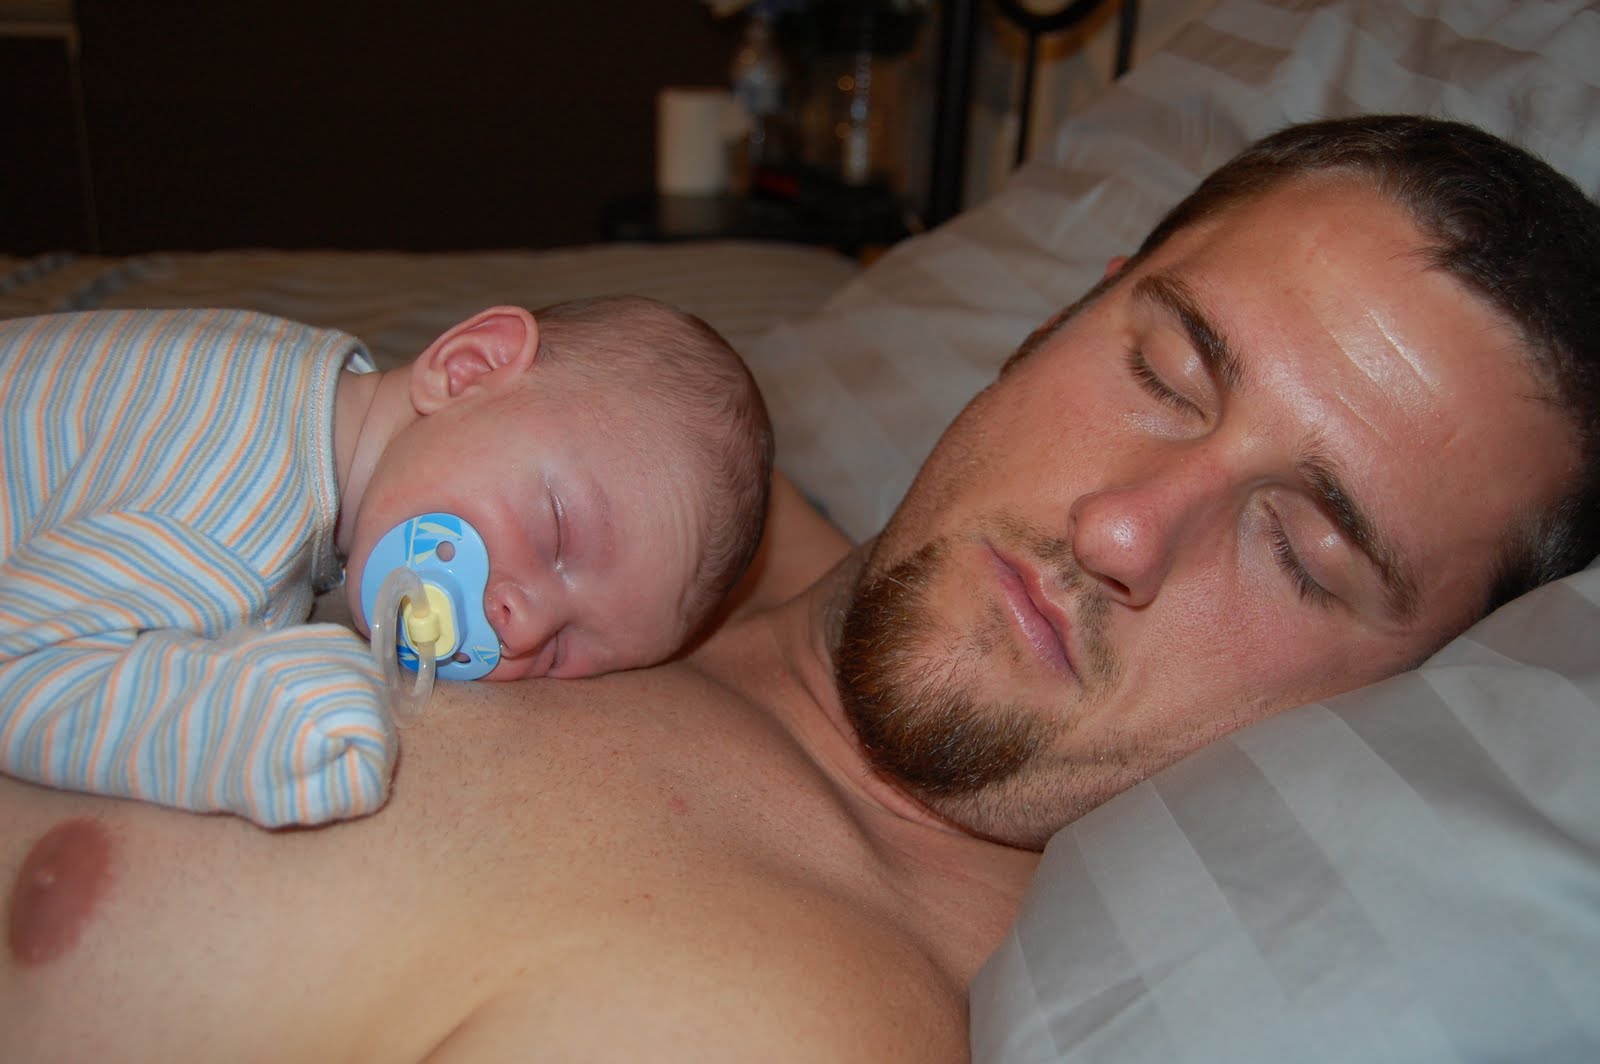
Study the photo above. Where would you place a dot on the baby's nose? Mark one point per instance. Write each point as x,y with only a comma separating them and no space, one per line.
520,621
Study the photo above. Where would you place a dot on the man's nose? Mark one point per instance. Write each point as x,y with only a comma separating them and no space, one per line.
1128,534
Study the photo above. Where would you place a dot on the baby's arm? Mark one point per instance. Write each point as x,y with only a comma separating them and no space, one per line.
107,686
281,727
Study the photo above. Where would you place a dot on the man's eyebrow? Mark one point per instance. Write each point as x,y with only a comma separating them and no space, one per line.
1322,479
1172,295
1398,577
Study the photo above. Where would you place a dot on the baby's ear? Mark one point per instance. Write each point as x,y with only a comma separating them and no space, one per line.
487,350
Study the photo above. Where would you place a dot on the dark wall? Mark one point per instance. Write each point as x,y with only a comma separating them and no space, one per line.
378,123
42,187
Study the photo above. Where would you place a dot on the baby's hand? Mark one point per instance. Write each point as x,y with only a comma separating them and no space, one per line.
314,742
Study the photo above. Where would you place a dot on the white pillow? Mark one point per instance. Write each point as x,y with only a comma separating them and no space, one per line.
1410,872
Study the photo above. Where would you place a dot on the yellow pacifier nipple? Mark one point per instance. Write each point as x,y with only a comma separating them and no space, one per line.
431,622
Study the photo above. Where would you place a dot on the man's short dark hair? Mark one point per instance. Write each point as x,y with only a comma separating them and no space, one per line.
1502,222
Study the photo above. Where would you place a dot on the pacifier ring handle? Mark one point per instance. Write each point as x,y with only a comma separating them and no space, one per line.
406,700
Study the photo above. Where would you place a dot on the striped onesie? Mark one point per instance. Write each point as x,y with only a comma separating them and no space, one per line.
167,517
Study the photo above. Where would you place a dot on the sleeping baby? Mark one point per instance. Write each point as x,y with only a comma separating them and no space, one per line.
180,484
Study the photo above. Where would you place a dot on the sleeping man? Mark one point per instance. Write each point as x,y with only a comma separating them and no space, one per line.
1340,403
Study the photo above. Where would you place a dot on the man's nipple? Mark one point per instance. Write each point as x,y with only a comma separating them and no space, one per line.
56,890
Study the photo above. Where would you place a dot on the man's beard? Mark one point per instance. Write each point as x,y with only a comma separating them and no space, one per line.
909,685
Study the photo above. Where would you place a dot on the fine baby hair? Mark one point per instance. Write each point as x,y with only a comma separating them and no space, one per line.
687,388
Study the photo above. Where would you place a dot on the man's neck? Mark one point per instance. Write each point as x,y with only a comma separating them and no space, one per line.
820,614
782,660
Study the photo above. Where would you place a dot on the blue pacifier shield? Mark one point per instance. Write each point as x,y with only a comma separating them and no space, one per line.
462,573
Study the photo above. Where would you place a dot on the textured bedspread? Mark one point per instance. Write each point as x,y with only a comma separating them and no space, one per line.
397,302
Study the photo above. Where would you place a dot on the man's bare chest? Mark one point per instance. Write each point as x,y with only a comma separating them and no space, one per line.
523,846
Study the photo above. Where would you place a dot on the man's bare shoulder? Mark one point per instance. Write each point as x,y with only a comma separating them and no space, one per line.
792,977
749,918
798,545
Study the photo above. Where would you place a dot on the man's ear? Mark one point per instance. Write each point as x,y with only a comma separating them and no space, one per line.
488,349
1115,266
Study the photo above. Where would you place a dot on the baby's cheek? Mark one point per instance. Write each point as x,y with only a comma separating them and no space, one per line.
511,669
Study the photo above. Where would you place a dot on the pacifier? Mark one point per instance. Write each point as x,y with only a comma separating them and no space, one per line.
422,597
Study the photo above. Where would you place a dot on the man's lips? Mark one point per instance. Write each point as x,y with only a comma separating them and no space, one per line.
1044,626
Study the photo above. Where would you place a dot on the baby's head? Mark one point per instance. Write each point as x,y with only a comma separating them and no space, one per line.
618,470
690,452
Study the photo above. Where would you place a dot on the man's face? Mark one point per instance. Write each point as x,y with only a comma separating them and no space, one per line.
1272,462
